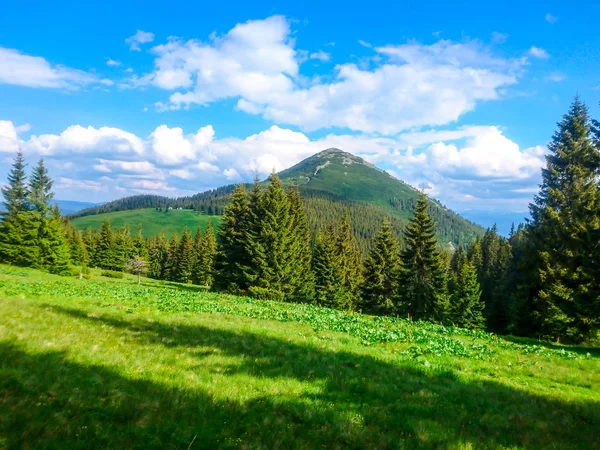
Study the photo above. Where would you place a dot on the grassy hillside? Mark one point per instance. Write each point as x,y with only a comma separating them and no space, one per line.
105,363
152,221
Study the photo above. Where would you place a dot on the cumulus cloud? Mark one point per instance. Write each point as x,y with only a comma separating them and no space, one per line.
19,69
404,86
537,52
475,164
550,18
140,37
111,62
321,56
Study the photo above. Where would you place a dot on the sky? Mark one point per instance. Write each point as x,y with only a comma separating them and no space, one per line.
124,98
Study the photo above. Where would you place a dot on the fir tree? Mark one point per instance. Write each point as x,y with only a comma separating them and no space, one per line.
140,248
185,258
565,229
422,284
17,229
106,255
381,273
54,249
124,249
232,256
350,263
89,239
40,190
301,275
77,247
171,260
325,266
158,251
466,305
207,249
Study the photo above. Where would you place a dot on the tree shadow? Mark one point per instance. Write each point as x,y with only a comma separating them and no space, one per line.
361,402
177,286
581,350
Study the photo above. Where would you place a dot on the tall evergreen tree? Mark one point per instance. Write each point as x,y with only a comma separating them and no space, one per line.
89,239
232,256
565,230
466,305
54,249
171,261
77,247
185,257
158,252
40,189
326,268
205,257
140,248
350,263
106,254
301,275
17,229
381,273
422,283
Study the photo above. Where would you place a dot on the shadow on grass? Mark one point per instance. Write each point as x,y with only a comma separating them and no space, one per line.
47,401
582,350
177,286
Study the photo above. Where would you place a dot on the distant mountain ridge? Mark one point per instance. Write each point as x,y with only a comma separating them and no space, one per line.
330,181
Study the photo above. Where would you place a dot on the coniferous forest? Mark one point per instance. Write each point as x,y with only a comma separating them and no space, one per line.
541,281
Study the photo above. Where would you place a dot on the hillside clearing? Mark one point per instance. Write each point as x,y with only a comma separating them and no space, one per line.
152,221
105,363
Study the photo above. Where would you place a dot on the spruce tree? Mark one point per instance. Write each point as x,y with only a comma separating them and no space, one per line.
422,283
171,261
124,249
106,254
40,190
232,256
381,273
54,249
466,305
301,276
185,258
350,263
77,247
207,249
565,228
17,229
89,239
158,250
326,269
140,248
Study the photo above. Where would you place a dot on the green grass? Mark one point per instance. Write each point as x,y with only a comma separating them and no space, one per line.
104,363
153,222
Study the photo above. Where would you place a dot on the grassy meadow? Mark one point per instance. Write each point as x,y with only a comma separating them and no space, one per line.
105,363
153,221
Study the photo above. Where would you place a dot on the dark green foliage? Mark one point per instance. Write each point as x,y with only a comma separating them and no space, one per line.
140,248
124,249
206,250
40,189
171,261
90,240
106,256
158,252
53,247
381,272
77,247
466,305
422,282
565,232
232,256
350,264
185,258
325,265
18,229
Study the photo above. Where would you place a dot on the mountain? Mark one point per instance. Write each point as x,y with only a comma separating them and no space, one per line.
71,206
331,182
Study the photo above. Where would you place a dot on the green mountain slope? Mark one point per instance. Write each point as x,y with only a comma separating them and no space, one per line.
330,181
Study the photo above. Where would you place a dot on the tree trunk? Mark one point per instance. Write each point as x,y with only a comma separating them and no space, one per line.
139,278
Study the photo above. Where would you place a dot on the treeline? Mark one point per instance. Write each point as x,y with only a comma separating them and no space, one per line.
542,281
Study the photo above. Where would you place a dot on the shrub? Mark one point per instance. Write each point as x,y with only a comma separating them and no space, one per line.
112,274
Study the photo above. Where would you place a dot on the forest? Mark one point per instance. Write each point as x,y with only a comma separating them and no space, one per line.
541,281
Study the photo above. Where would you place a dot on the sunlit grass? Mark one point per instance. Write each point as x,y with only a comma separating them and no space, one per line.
106,364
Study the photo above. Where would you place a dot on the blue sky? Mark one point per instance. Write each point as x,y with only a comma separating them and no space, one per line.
141,97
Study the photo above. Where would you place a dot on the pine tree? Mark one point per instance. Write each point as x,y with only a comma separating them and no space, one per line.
106,255
207,249
77,247
381,273
466,305
171,261
54,249
350,263
422,284
17,229
140,248
232,256
185,258
124,249
40,190
158,251
326,269
89,239
565,229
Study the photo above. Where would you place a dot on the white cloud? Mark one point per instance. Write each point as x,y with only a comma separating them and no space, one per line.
550,18
111,62
499,38
537,52
19,69
475,161
140,37
321,56
556,77
404,86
